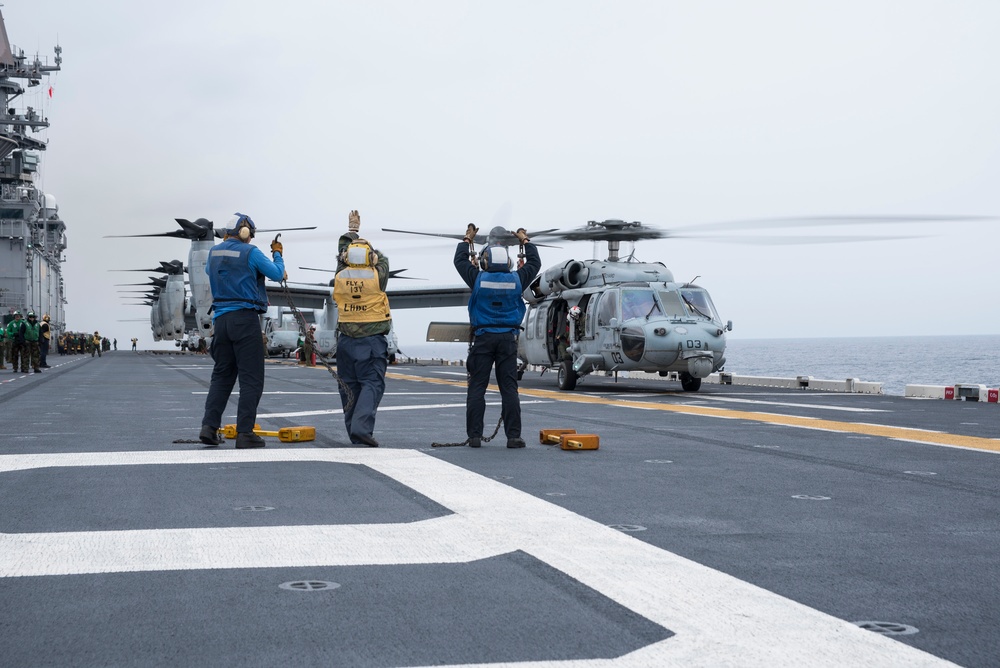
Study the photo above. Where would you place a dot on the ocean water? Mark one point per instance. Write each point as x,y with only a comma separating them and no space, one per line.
894,361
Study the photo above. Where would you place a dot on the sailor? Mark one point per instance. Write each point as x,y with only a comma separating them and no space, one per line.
496,311
16,342
4,347
95,344
362,330
236,270
30,332
309,346
43,342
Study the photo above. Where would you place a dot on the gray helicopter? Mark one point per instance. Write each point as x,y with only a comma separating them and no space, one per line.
611,315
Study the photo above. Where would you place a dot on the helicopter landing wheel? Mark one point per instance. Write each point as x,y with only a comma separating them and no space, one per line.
567,377
689,383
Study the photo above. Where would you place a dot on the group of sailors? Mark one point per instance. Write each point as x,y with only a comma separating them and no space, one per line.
82,343
26,341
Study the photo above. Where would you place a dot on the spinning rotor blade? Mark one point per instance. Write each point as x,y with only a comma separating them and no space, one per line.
822,221
793,240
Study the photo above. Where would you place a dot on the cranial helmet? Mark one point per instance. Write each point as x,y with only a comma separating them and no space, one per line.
359,254
495,258
17,314
241,225
31,314
575,312
46,317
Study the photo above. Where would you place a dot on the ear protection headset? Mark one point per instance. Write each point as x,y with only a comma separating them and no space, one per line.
495,257
245,229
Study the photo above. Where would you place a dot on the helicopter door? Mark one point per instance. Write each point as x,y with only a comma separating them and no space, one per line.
557,332
608,327
584,328
534,349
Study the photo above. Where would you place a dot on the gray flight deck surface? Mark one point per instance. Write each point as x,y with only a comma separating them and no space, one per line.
733,526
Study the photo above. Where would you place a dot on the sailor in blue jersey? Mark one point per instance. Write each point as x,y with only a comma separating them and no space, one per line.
236,271
496,311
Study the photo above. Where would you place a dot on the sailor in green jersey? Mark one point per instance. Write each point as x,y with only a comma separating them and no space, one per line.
16,340
32,333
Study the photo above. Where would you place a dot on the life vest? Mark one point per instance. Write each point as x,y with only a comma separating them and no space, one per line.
31,331
231,277
496,302
359,296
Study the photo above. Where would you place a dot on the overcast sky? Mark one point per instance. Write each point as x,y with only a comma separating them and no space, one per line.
431,115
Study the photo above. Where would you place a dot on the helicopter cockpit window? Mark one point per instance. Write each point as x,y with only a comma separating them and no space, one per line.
672,304
608,308
638,304
699,303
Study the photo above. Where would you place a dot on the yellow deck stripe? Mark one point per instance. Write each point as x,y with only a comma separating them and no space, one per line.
901,433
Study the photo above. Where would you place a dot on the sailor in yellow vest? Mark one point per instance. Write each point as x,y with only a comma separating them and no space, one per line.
363,328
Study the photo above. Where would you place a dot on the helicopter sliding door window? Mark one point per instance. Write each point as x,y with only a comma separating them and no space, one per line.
529,324
607,309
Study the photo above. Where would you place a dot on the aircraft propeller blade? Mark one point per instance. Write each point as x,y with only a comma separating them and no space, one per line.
393,273
173,268
508,239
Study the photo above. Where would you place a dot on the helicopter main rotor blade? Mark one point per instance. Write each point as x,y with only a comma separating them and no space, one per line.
805,239
822,221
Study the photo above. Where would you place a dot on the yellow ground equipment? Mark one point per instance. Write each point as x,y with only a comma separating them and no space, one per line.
285,434
568,439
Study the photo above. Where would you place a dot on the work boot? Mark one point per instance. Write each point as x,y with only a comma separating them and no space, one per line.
365,440
249,440
475,441
515,442
210,435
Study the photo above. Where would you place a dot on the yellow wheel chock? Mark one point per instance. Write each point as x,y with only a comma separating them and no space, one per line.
285,434
568,439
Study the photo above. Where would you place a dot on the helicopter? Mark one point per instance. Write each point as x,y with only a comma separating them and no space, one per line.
618,314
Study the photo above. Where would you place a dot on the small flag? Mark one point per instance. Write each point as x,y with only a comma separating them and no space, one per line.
50,91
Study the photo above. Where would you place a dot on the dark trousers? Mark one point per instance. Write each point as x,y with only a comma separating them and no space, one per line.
361,365
43,350
489,350
238,351
19,352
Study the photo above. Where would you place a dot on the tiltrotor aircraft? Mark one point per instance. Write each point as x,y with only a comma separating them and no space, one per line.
314,301
611,315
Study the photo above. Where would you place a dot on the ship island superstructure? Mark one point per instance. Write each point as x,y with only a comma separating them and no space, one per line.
32,236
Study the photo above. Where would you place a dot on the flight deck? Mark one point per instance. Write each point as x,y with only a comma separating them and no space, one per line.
730,526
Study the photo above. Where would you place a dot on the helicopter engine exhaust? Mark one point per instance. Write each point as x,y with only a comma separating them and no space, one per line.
567,276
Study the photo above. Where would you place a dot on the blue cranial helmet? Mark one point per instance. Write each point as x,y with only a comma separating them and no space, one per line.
241,220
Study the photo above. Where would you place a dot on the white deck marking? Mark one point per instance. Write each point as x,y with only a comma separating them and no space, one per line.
382,409
717,619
